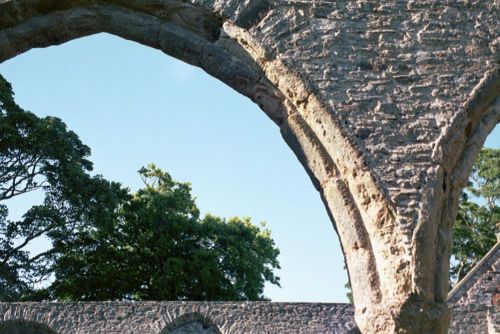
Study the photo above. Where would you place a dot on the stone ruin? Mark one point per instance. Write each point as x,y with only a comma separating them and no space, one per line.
385,103
475,305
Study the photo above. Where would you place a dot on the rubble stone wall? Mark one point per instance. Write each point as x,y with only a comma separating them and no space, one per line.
385,103
476,300
178,317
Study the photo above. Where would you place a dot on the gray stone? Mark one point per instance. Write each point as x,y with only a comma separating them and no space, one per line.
183,317
385,103
475,301
475,304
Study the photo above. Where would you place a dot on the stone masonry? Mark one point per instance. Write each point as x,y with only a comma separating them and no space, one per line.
385,103
475,304
475,301
172,317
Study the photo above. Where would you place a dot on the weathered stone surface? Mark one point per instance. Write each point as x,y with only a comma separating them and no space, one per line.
173,317
24,327
475,301
385,103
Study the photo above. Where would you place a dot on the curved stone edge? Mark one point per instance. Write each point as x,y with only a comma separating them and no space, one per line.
361,192
368,231
157,317
457,136
15,12
453,155
305,113
189,317
248,80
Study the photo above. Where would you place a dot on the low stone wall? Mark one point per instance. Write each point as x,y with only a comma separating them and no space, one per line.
208,318
475,301
176,317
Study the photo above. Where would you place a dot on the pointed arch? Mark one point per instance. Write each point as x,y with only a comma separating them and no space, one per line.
210,38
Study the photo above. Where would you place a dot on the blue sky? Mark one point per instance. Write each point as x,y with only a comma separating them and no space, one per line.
134,105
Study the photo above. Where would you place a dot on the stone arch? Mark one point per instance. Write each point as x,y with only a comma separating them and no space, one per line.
21,326
186,32
396,244
216,39
191,323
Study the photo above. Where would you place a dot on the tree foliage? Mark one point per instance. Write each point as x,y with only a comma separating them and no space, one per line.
109,244
478,217
160,249
35,153
41,154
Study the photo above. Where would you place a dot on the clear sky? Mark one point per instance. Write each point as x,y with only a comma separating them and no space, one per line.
134,105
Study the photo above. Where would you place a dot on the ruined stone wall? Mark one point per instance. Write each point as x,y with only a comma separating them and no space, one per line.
475,304
385,103
472,314
166,317
476,299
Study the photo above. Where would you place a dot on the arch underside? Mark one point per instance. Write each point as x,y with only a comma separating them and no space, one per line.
191,323
396,244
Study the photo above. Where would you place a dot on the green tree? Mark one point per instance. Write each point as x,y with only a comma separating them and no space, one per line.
35,153
478,217
159,249
105,242
42,154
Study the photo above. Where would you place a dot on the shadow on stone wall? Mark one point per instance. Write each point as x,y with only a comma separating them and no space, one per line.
191,323
24,327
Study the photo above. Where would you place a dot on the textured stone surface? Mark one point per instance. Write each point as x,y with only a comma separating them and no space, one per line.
385,103
18,326
475,304
171,317
475,301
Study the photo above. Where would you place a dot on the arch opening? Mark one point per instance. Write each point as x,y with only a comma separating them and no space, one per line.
313,133
388,274
191,323
177,28
323,255
21,326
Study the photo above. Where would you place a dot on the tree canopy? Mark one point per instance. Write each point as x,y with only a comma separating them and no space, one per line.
478,217
41,154
36,153
159,249
106,242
